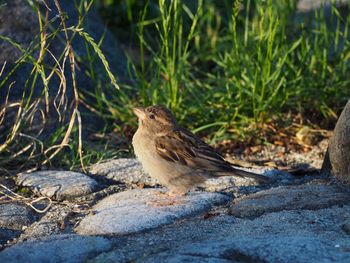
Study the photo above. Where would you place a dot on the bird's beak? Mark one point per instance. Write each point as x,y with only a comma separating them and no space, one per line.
140,113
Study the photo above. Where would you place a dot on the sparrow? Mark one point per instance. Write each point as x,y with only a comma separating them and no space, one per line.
176,157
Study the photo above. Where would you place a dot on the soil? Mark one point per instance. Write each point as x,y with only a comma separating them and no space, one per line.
282,157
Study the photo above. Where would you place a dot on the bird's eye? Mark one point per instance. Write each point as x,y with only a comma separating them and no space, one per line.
152,116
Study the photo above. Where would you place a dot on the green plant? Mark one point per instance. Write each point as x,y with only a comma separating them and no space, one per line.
224,68
222,75
23,148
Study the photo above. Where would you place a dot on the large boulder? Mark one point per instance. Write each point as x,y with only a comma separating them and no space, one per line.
337,159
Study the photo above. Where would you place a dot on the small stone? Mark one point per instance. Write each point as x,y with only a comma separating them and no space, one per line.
289,198
141,209
58,185
15,216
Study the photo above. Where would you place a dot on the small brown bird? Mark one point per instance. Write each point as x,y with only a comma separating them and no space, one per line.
176,157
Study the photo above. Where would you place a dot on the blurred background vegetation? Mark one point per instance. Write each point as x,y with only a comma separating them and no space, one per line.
229,70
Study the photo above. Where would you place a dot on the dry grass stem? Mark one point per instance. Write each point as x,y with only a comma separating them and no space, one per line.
27,201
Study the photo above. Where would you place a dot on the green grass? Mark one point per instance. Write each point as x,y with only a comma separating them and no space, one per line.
219,68
223,67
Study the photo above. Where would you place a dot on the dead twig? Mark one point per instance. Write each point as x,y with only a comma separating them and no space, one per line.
27,201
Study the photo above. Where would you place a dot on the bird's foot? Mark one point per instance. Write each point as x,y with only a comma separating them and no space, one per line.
167,199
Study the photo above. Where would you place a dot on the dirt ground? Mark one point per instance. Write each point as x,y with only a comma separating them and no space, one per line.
281,157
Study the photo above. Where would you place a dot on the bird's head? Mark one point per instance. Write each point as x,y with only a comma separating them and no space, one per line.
156,119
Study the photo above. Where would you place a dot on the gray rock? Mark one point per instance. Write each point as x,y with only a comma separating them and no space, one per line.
58,185
339,147
15,216
312,236
125,170
285,236
91,199
230,183
64,248
138,210
52,223
268,248
289,198
19,22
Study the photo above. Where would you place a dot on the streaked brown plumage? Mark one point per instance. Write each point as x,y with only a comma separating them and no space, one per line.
175,156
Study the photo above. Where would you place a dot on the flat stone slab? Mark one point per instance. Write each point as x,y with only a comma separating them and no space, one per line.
141,209
60,248
309,236
125,170
59,185
15,216
268,248
308,196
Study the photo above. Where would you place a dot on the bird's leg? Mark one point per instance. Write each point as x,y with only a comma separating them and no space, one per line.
167,199
176,194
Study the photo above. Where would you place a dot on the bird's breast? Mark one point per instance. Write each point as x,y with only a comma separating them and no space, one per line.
143,145
145,152
152,163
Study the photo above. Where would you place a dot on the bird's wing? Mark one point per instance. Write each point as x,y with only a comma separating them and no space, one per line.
183,147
